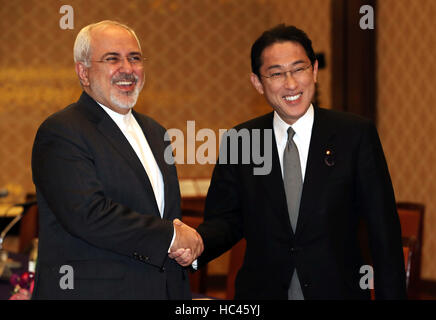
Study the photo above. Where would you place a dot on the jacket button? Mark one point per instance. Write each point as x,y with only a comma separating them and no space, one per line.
162,269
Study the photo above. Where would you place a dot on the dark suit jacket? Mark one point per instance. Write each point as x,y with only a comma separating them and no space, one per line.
97,210
352,183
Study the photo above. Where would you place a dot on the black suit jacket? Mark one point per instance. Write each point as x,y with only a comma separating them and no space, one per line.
340,189
97,210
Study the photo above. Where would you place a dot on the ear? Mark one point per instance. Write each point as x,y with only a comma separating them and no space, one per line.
257,84
315,70
82,72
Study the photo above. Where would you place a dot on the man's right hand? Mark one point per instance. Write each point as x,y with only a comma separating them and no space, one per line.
187,245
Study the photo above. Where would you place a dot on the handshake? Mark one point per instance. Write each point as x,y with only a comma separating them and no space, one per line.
187,245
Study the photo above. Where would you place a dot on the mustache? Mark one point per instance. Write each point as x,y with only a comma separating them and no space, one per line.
125,77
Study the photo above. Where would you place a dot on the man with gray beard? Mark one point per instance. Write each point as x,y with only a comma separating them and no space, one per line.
109,205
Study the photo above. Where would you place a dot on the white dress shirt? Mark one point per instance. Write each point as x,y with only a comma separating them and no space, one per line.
134,134
303,133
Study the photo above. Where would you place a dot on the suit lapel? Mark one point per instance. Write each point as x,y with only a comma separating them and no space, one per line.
119,142
157,147
116,138
317,170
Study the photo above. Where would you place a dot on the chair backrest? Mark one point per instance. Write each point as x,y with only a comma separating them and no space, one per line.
406,253
408,247
409,251
412,220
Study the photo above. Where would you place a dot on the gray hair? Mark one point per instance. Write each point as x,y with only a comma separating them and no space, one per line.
82,45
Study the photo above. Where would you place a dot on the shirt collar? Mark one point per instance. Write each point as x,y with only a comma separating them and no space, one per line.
302,127
122,120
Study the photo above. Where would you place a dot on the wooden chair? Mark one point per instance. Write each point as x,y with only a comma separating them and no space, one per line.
409,245
411,217
409,251
412,221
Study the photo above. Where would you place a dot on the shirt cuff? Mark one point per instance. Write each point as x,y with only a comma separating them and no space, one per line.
172,241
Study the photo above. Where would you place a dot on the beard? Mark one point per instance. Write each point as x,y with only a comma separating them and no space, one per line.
126,100
122,100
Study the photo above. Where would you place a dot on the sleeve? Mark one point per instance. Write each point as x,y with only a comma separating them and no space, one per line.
377,202
65,175
223,226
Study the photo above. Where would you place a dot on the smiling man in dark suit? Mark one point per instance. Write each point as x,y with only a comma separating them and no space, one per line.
109,203
301,220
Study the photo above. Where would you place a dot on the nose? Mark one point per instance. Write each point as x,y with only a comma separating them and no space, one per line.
290,82
125,65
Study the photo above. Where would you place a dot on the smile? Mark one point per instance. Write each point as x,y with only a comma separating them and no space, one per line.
126,86
125,83
292,98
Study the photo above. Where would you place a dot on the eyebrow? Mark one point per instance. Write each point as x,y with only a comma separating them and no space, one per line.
117,54
281,66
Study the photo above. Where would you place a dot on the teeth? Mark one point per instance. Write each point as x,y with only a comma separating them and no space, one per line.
292,98
124,83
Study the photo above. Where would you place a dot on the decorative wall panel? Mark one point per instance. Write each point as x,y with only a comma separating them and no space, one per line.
406,47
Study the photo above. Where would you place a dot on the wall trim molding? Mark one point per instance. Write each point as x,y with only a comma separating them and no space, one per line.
353,60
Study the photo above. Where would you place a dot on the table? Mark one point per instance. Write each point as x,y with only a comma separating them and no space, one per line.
8,211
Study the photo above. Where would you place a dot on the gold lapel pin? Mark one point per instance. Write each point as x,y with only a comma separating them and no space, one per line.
329,158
